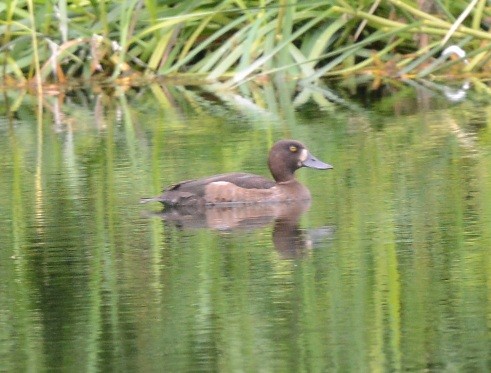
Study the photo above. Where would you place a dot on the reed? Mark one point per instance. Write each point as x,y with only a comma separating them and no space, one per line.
235,41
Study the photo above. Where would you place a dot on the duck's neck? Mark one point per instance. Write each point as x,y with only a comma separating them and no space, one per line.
281,173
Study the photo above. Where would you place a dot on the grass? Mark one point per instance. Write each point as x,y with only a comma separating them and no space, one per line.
232,42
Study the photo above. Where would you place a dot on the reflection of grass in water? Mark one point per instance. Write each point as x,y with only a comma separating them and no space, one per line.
408,261
134,40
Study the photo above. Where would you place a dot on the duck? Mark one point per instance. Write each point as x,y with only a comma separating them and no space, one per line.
238,188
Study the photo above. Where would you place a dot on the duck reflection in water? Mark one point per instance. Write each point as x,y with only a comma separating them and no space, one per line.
246,199
289,239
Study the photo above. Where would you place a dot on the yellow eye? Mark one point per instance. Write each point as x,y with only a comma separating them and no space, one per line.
293,148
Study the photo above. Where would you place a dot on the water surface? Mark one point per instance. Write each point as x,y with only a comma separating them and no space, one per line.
387,269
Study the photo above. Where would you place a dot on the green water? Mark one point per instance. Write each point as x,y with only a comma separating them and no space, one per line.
389,269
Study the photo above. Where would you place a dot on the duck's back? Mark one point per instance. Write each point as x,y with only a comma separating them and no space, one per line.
224,188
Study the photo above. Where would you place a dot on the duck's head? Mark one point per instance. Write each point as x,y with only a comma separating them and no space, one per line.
287,156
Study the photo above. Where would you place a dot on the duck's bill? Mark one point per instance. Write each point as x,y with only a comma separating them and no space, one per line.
313,162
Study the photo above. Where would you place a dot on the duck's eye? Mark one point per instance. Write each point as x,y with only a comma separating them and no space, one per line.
293,148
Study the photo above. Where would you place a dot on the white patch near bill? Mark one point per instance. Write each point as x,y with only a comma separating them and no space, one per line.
304,155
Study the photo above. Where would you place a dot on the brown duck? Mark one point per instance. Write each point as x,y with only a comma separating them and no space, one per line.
285,157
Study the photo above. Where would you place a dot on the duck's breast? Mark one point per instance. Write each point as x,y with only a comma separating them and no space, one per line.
224,192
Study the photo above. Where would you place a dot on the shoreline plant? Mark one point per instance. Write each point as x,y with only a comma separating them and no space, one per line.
128,42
